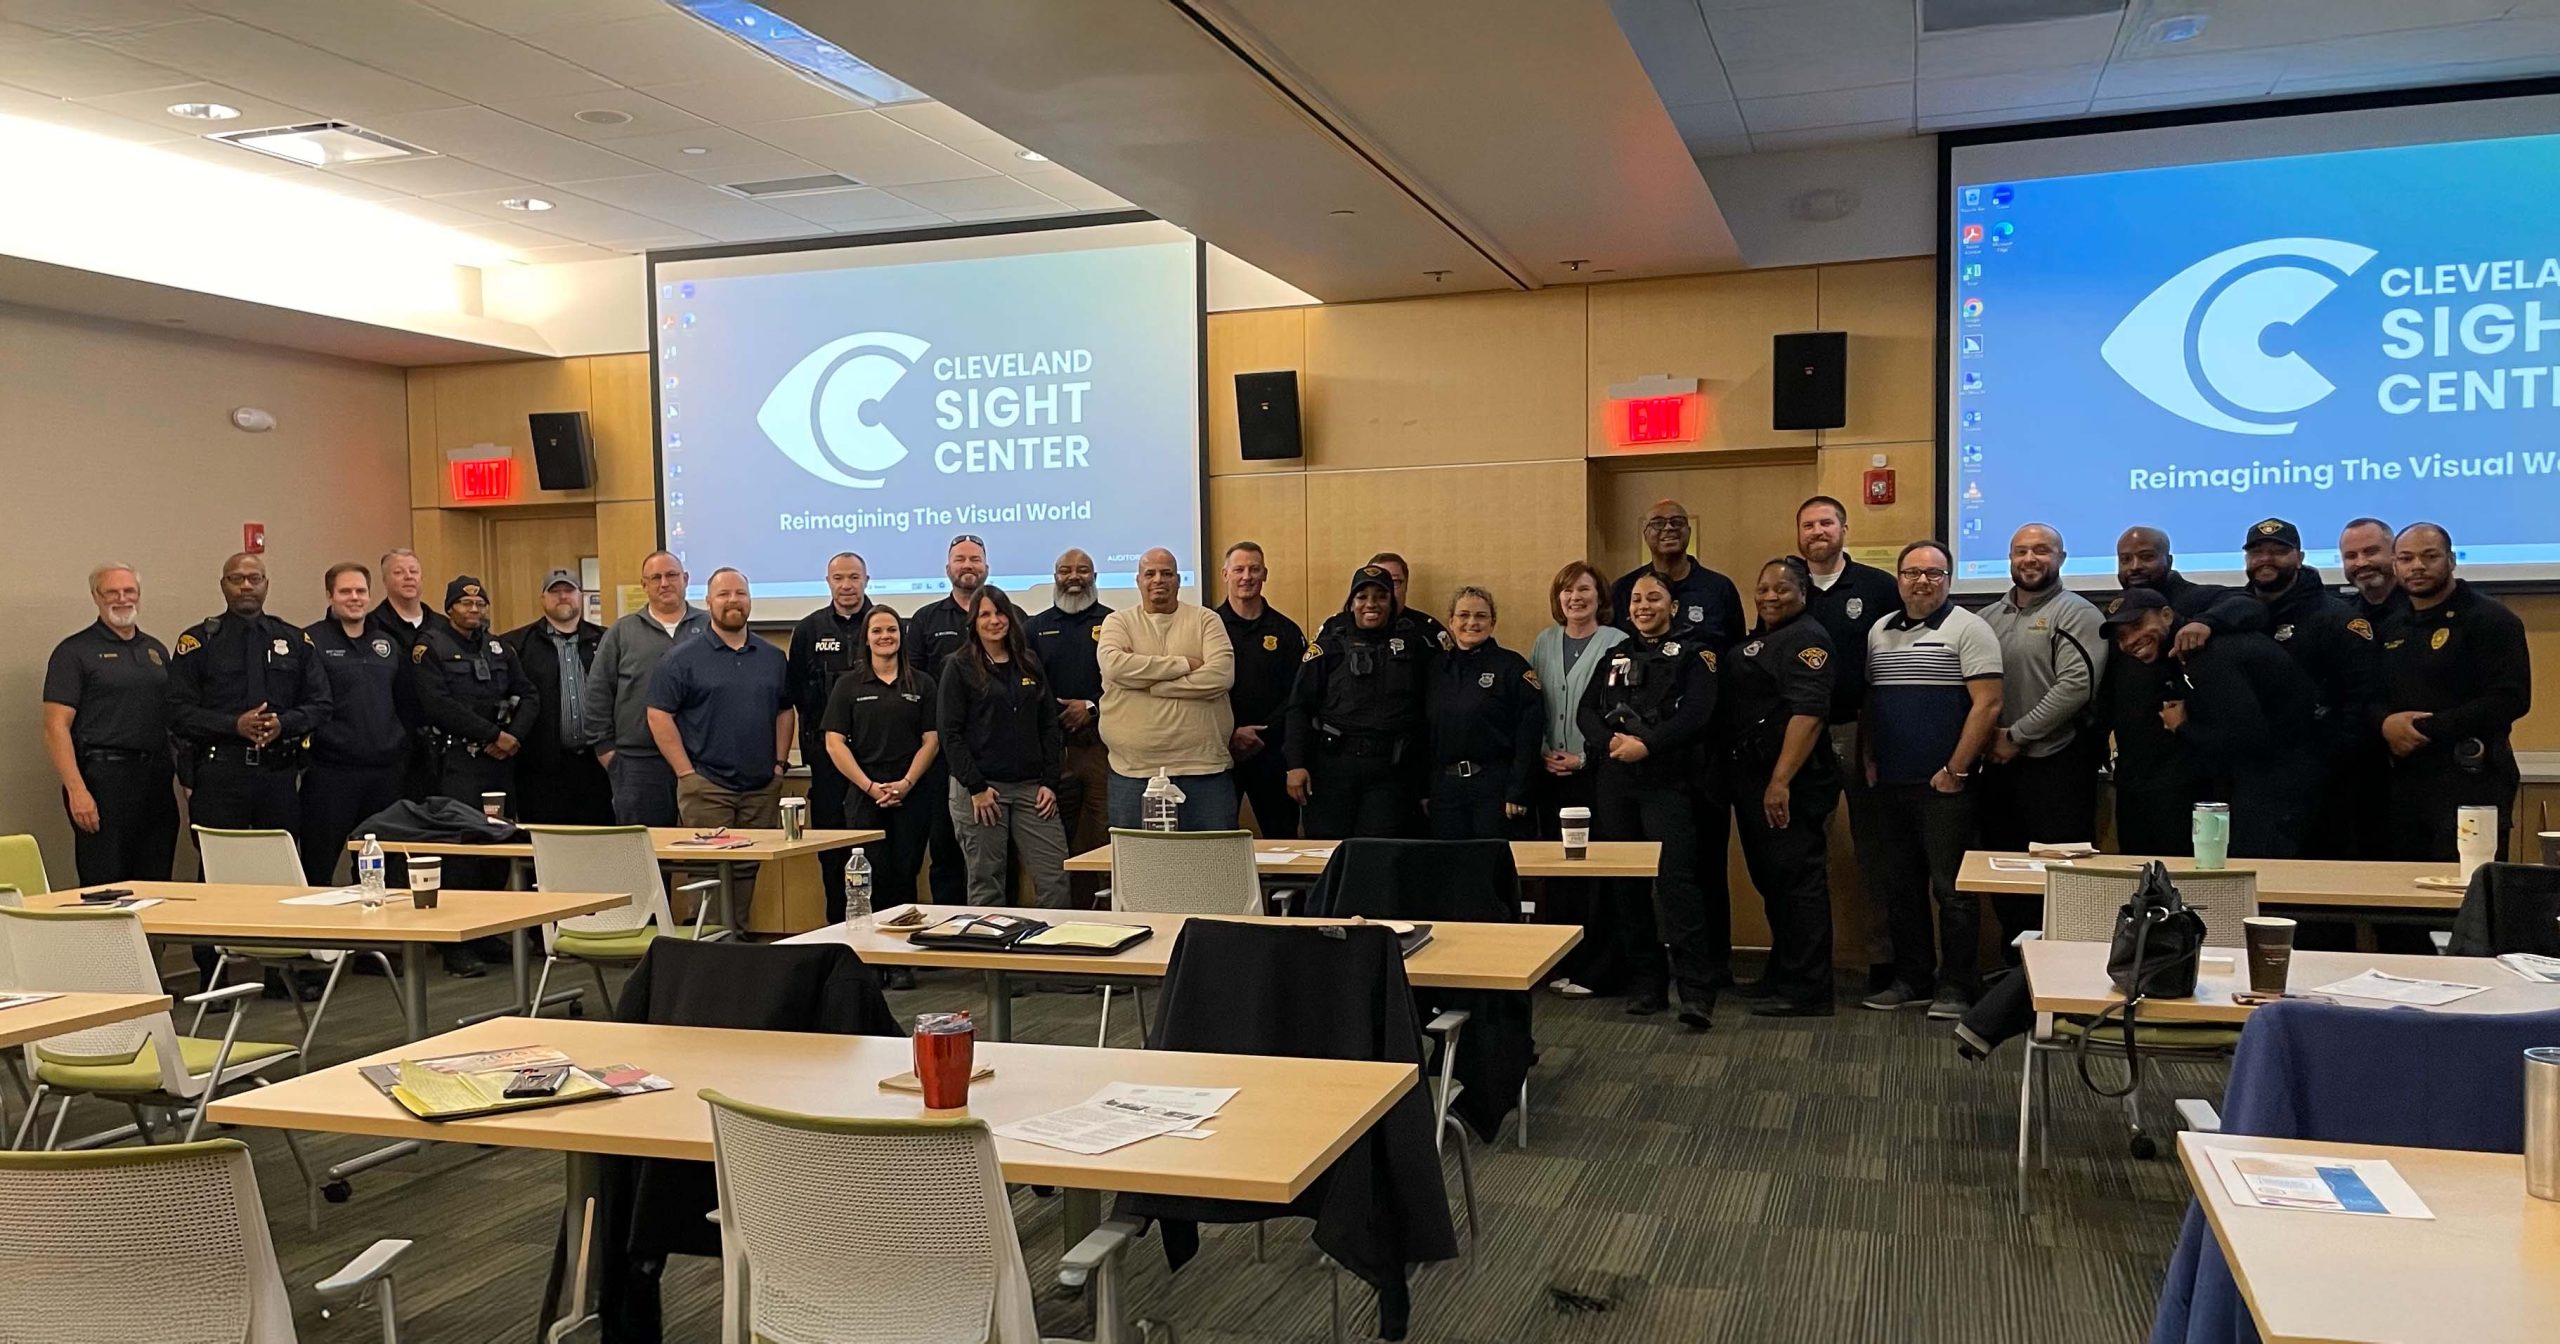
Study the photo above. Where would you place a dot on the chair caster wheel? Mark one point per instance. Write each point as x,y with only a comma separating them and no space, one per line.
338,1192
2144,1147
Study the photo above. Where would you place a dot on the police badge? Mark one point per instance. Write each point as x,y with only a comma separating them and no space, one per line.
1751,650
283,648
1697,615
1270,643
1395,646
382,648
1855,607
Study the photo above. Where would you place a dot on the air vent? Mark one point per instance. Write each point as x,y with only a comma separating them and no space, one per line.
324,144
812,185
1960,16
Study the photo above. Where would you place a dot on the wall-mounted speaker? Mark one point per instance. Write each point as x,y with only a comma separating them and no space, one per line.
1812,389
563,456
1267,415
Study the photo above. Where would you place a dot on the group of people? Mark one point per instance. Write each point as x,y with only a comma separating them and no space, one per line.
996,742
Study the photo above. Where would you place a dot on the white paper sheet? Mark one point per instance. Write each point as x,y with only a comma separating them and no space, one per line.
2001,863
1275,857
1119,1115
22,1000
2367,1187
2384,988
342,896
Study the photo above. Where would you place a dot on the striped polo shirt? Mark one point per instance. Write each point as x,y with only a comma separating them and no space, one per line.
1916,696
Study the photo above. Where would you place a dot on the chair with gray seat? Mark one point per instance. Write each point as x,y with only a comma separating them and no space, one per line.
1178,873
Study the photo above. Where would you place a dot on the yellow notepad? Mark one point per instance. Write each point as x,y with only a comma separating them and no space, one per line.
1082,935
433,1095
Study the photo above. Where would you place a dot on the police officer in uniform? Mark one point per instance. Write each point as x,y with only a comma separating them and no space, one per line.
360,757
1401,574
1774,696
1268,646
1645,719
1849,598
933,634
106,727
2335,647
401,616
1356,716
826,644
1487,715
2457,676
2365,554
1706,610
1067,639
478,702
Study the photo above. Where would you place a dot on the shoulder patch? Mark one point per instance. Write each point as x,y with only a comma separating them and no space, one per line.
1813,657
1445,642
1708,656
417,653
1530,675
306,637
1315,650
2360,628
187,644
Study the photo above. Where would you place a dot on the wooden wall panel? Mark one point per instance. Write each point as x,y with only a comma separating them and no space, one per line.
426,468
448,542
1716,328
488,403
1889,309
1468,378
524,548
626,531
1249,342
1269,509
618,421
1913,513
1453,525
1743,513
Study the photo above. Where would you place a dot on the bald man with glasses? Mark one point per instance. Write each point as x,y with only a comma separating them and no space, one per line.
1706,609
617,707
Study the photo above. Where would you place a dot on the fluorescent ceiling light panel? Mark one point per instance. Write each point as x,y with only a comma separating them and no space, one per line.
802,50
323,144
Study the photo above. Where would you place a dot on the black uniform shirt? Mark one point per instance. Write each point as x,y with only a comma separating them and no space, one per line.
936,633
1432,629
2250,708
2336,648
1359,683
403,636
464,684
2149,757
364,726
1660,691
1770,679
1858,598
2221,610
117,688
1069,647
1004,730
225,666
1706,609
1268,649
824,647
2463,663
883,725
1486,707
2381,613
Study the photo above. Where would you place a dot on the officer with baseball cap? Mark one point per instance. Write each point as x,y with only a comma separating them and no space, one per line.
557,777
478,703
2337,649
1356,716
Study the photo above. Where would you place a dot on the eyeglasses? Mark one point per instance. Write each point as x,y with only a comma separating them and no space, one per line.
1924,575
967,539
1666,524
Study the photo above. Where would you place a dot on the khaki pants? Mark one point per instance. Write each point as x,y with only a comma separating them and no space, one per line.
705,806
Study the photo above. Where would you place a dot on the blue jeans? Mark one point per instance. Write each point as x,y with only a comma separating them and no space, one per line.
1208,801
644,789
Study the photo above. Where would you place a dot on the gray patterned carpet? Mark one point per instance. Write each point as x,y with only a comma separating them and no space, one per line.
1842,1179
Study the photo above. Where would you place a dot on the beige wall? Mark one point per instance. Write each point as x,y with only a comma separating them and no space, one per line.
120,447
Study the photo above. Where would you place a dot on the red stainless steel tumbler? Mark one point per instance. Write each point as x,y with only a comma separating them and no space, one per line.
945,1049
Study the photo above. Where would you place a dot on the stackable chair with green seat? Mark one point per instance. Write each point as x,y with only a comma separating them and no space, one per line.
941,1261
271,859
166,1244
144,1063
22,865
1178,873
609,858
2081,902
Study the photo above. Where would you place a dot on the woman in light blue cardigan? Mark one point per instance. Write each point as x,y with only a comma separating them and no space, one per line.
1563,658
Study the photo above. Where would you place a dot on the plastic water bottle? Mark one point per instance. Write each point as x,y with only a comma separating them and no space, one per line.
1161,806
857,887
369,872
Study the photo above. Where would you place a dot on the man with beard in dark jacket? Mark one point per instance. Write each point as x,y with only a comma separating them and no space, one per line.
2143,560
2337,649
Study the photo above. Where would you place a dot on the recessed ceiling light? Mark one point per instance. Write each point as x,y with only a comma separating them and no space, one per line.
695,149
204,111
2182,28
323,144
604,116
533,203
1030,156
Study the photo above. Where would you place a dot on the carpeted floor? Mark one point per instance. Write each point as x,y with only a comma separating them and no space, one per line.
1775,1180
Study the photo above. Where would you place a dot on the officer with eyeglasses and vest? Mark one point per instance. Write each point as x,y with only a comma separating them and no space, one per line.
1356,717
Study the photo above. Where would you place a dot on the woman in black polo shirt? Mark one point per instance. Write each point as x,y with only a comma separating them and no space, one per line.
879,726
1007,751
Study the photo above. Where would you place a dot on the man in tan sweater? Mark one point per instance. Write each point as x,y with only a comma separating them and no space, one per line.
1166,668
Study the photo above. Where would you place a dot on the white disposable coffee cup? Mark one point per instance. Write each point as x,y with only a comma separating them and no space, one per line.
1575,825
2475,831
493,804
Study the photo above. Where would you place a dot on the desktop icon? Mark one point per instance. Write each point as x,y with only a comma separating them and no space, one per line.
1972,308
1973,454
1973,272
2003,232
685,290
1973,382
2003,195
1973,419
1973,492
1972,346
1972,234
1973,198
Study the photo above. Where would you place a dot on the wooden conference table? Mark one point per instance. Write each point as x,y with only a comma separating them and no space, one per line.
64,1014
1289,1121
2484,1270
1510,957
2356,887
211,912
1534,858
674,844
2071,978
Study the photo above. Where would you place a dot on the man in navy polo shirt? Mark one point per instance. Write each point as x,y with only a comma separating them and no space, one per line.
720,710
1933,699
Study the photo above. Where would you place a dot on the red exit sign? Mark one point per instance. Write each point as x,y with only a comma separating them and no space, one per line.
480,480
1640,421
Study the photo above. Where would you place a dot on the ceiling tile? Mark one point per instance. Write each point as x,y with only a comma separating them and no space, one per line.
941,121
2018,46
2469,72
152,105
2234,93
985,193
1071,189
723,148
277,67
660,48
1699,122
991,216
775,165
558,112
81,117
658,242
1774,141
439,176
2234,27
690,205
512,235
522,16
871,147
2002,116
341,185
545,256
432,212
231,157
864,206
1721,147
1670,38
68,67
573,217
733,102
87,18
1813,28
2201,70
2391,53
504,143
1820,72
2028,88
418,43
1844,107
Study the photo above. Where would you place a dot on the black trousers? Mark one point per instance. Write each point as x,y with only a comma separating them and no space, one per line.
1358,796
1677,918
1469,807
830,801
1263,780
335,800
1598,962
2037,799
2342,825
2156,822
137,834
562,787
895,860
232,797
2425,799
949,875
2271,808
1791,866
1925,835
465,774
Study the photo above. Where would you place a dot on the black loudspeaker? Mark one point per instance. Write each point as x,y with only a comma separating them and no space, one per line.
563,457
1813,380
1267,415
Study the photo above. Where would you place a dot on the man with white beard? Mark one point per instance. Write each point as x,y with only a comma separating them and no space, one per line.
106,730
